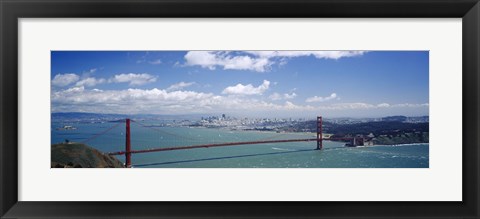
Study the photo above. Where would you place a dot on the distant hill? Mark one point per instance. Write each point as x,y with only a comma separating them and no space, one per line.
76,155
76,116
394,119
377,128
88,117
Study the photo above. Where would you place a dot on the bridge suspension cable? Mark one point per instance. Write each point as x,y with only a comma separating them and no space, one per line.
101,133
209,146
278,136
270,139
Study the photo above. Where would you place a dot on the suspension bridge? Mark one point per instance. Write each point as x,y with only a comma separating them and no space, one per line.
129,151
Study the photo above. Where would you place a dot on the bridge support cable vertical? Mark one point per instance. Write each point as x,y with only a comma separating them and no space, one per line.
319,133
128,149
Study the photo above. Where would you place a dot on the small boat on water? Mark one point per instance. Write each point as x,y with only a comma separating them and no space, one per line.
67,127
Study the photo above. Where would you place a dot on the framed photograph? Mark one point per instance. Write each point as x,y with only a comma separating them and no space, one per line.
239,109
190,100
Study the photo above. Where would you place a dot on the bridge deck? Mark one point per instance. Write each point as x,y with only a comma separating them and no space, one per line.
223,145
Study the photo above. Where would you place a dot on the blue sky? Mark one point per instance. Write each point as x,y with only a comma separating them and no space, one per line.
242,83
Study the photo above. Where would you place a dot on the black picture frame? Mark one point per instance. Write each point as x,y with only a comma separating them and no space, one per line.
12,10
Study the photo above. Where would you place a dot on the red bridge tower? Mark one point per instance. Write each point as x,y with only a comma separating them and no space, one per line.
319,133
128,153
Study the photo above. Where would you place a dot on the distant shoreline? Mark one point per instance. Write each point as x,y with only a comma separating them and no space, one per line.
313,134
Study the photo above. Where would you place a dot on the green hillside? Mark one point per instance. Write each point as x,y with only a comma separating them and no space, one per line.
76,155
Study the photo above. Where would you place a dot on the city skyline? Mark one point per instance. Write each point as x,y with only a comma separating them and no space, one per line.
242,83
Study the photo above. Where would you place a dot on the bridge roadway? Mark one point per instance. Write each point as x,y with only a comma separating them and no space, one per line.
225,144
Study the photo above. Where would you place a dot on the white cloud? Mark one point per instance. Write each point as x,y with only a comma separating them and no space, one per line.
90,82
62,80
91,71
158,101
316,54
133,79
321,99
180,85
155,62
410,105
248,89
346,106
383,105
87,74
74,90
291,106
211,60
290,96
259,61
121,101
277,96
202,58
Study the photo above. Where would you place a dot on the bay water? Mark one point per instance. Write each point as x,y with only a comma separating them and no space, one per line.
273,155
